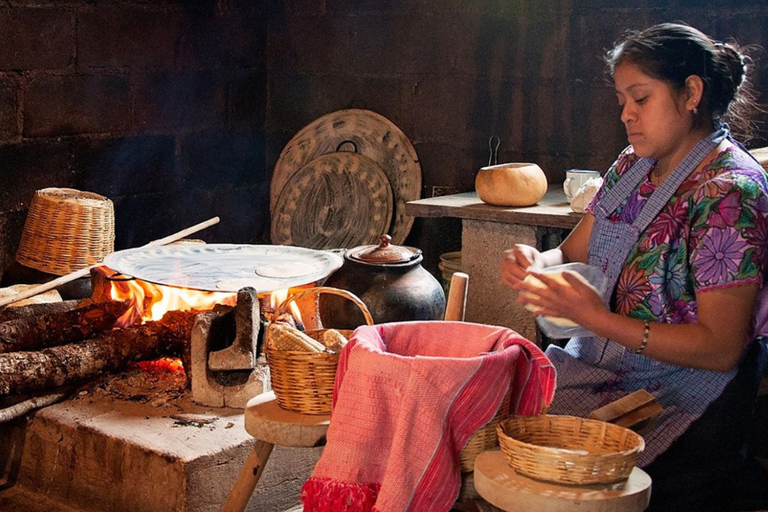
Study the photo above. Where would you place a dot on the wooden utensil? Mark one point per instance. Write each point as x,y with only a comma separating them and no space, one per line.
337,200
375,137
50,285
637,411
457,297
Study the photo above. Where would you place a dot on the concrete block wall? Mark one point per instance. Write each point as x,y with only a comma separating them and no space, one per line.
158,105
451,73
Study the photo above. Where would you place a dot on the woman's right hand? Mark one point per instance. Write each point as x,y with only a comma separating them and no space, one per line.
515,262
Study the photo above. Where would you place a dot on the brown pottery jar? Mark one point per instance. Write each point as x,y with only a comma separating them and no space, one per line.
390,280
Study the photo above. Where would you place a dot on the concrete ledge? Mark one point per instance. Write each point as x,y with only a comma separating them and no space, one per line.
95,454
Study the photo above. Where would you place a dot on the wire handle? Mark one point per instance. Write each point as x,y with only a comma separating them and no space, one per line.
283,307
493,143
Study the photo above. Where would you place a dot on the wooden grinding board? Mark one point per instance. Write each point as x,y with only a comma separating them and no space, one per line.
373,136
499,484
338,200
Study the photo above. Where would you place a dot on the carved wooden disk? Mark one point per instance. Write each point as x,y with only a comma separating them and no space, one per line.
338,200
371,135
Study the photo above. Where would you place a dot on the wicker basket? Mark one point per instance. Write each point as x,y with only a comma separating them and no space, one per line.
485,437
66,230
569,450
303,381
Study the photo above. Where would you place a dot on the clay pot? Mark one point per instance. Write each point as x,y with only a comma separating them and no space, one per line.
391,282
512,184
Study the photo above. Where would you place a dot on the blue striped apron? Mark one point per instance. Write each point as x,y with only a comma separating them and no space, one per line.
593,371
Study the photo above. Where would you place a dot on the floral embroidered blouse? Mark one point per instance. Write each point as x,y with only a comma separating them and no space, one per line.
712,233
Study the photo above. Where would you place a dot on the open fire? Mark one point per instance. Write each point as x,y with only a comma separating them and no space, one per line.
149,301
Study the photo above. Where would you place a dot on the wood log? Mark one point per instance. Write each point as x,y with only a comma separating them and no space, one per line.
36,332
10,313
22,372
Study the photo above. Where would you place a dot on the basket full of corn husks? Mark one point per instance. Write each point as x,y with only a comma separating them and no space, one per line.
302,364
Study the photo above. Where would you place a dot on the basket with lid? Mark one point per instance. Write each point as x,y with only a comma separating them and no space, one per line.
303,380
568,449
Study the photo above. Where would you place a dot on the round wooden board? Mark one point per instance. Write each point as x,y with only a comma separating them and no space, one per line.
500,485
375,137
337,200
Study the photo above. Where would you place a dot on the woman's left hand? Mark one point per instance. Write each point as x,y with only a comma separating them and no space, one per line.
572,298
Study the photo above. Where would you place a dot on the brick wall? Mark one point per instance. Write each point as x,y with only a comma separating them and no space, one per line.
159,105
178,110
451,73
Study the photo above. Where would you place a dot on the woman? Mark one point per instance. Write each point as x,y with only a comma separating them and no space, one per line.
680,227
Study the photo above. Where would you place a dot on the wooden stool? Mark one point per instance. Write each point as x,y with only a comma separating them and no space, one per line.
501,486
271,425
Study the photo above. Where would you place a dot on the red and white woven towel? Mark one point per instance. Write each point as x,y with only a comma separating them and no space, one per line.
407,398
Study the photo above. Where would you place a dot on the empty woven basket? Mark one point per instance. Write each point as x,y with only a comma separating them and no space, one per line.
66,230
569,450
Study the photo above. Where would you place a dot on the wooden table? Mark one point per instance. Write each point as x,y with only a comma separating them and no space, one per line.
498,484
486,232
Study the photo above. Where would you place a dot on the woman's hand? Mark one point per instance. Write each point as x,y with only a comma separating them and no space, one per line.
572,297
516,261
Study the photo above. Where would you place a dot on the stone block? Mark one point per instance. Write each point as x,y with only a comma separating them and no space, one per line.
388,43
174,100
460,174
62,105
489,301
244,213
311,44
216,158
11,226
297,100
443,109
34,38
247,99
231,36
142,218
25,168
125,36
96,454
8,105
125,166
305,7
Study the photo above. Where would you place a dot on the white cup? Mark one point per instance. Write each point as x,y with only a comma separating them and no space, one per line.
575,178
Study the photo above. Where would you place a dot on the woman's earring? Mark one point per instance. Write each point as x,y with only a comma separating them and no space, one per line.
695,110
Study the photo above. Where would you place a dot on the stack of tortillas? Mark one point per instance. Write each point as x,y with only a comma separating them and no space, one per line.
343,181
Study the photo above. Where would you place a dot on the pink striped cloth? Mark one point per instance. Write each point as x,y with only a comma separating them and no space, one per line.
407,398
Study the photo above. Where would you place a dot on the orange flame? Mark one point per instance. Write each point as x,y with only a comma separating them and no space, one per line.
278,297
151,301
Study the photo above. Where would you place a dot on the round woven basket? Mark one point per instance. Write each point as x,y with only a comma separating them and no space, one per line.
66,230
485,437
569,450
303,381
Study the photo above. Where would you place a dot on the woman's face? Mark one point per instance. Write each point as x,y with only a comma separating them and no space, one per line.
653,114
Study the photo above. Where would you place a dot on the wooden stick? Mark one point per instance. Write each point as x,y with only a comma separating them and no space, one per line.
457,297
77,274
20,409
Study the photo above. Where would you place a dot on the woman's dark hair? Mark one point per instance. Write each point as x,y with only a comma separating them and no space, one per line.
672,52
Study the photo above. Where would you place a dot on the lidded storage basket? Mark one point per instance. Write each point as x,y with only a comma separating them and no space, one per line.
303,381
569,450
66,230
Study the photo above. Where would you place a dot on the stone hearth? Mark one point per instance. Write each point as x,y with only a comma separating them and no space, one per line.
116,447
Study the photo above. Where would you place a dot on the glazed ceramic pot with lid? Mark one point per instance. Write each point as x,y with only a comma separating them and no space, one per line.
390,280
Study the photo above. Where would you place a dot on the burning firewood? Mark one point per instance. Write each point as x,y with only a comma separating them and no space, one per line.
9,313
43,331
21,372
